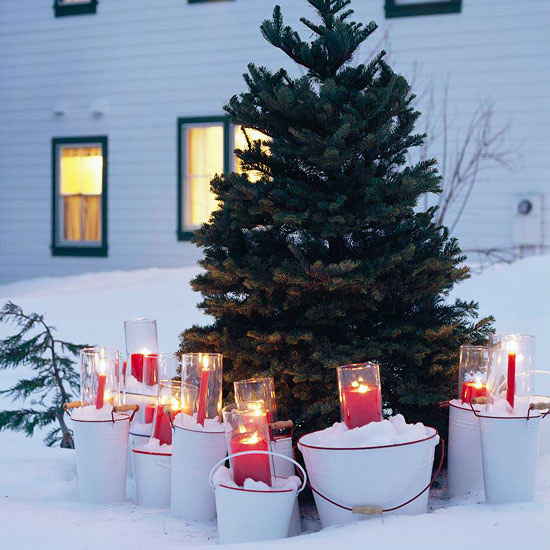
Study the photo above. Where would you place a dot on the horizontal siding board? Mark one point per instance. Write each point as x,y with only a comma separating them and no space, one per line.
154,62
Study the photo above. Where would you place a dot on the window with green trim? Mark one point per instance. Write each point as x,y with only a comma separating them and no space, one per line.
407,8
205,148
203,152
79,196
74,7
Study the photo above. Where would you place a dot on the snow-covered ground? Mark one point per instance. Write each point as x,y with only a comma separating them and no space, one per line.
39,506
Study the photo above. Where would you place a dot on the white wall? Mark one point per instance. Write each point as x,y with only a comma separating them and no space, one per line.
155,61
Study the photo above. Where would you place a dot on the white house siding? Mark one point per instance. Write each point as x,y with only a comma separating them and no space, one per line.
152,62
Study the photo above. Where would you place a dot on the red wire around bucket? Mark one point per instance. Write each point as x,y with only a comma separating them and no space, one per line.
350,509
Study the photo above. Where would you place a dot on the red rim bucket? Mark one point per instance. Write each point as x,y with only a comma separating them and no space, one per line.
384,476
101,456
152,477
194,453
464,465
252,515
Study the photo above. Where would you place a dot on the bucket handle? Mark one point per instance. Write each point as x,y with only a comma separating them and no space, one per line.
269,453
369,510
72,405
125,408
532,407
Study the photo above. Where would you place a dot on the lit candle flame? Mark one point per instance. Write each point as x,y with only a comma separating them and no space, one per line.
102,366
257,409
512,346
253,439
145,351
205,365
175,404
477,380
363,388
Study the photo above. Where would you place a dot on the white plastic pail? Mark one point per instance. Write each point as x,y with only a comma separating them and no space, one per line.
193,455
509,447
285,468
464,466
383,476
101,453
246,515
152,474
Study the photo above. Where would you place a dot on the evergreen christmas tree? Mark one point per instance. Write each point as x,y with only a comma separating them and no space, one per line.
325,259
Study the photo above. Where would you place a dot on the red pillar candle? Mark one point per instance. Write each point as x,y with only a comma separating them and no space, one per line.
149,413
101,380
511,386
362,403
163,428
150,369
203,391
136,363
255,467
473,390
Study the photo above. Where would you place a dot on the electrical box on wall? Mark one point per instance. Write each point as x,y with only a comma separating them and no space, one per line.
528,216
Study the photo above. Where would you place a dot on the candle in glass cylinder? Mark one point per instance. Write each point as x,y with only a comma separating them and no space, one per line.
473,390
203,391
360,394
101,381
511,385
136,364
163,428
362,404
254,466
150,369
149,413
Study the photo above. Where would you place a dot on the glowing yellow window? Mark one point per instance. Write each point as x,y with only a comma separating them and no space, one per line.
80,189
203,147
241,143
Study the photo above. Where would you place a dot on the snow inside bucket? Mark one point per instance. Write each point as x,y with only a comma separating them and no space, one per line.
464,466
195,450
101,442
256,511
382,464
152,467
509,448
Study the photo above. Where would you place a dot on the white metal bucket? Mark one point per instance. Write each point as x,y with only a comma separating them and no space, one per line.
464,466
152,473
193,455
383,476
135,440
101,453
285,468
544,446
246,515
509,447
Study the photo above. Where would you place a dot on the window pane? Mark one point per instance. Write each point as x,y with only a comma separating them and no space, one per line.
240,143
204,158
92,218
72,228
81,186
81,171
